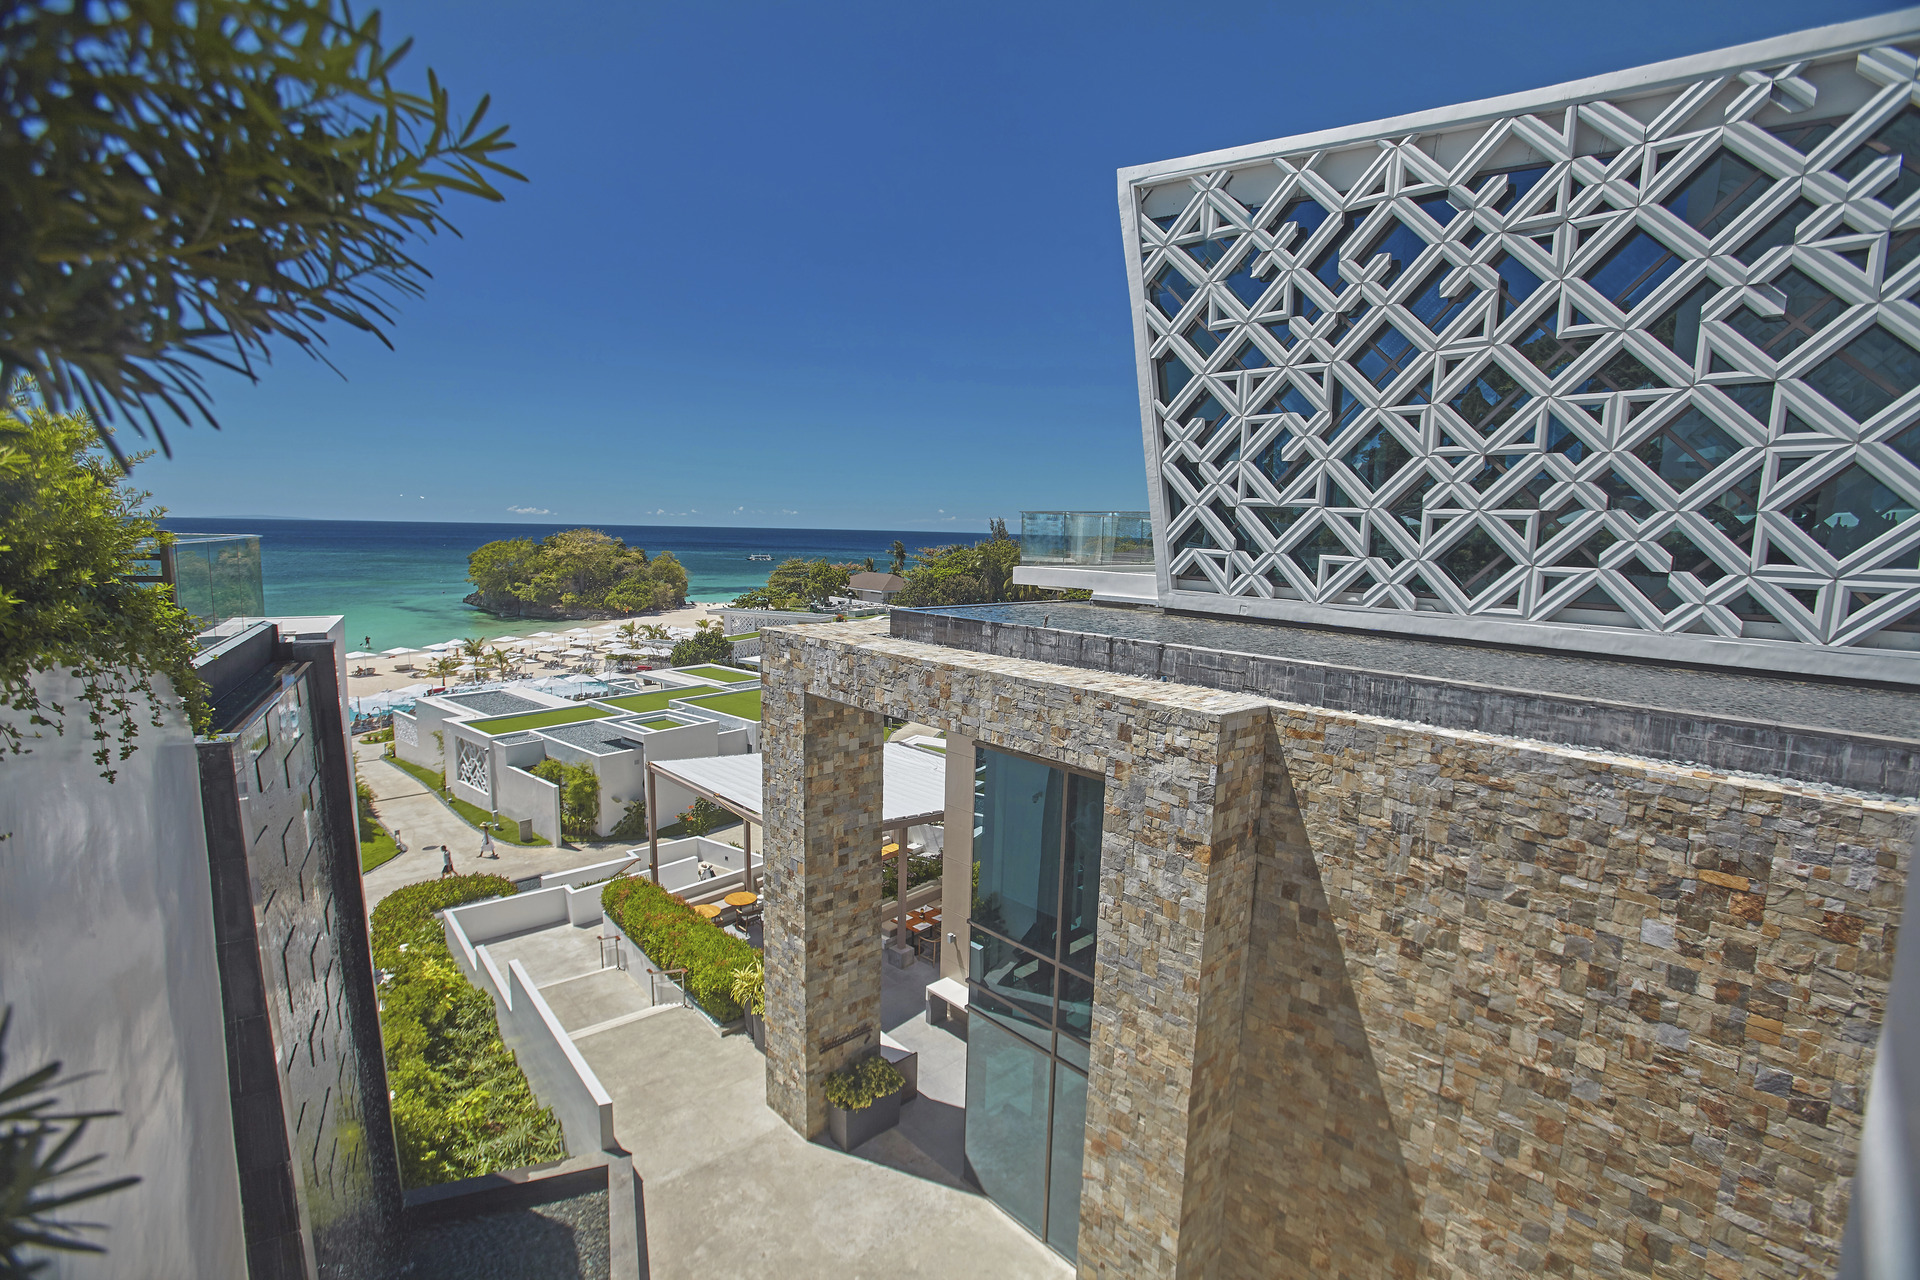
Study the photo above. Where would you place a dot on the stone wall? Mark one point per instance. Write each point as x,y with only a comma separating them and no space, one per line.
1552,1012
1380,999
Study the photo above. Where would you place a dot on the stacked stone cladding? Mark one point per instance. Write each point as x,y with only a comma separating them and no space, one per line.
1183,769
1379,999
1547,1011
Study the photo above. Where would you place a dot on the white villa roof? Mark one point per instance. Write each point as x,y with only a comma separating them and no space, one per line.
914,787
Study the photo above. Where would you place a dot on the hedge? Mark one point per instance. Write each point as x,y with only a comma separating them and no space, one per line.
675,936
461,1105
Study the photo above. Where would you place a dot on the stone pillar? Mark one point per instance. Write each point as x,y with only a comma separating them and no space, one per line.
1177,858
823,867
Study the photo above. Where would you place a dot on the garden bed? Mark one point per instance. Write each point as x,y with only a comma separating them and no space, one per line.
675,936
461,1104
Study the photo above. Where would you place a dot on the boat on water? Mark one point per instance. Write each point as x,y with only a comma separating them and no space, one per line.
757,556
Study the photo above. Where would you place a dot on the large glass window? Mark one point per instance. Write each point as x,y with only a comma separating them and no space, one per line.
1036,847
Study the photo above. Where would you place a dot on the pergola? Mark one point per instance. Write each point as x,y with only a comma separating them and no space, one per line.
913,791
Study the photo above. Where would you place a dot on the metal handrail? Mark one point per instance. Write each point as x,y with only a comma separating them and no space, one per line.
653,977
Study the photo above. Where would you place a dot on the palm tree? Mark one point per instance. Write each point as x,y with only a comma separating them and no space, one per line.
444,668
869,564
899,553
474,647
503,662
654,631
629,631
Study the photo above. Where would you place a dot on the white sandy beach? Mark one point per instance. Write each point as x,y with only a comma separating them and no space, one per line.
387,677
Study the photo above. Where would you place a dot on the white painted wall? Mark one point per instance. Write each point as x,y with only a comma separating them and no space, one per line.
106,913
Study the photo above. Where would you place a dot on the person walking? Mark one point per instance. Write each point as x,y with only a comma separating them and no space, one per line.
446,862
399,845
486,846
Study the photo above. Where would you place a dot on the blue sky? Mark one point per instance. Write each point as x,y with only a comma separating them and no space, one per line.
831,265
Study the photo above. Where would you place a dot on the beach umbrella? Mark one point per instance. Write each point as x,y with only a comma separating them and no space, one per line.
506,639
543,635
394,653
360,653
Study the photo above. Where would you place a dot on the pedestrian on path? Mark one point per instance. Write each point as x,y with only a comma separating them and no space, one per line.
486,846
399,845
446,862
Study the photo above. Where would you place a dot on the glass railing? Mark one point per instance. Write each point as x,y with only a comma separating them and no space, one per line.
215,576
1086,537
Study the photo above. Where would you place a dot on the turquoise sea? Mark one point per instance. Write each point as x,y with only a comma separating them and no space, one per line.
402,583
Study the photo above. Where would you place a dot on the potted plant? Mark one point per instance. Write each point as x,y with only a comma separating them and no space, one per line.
750,993
863,1101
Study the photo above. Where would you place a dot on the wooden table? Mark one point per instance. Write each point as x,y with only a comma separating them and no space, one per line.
741,899
708,909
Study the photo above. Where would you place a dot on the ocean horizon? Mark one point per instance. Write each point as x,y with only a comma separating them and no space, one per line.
402,582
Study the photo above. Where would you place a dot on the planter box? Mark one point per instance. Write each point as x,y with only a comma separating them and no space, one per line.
852,1128
757,1028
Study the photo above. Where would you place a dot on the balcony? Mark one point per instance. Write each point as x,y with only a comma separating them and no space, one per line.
1109,553
214,576
1105,538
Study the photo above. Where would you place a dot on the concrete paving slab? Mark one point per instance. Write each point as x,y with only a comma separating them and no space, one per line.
582,1002
731,1190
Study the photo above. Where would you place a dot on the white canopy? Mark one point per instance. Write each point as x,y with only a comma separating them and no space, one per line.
913,787
360,653
394,653
506,639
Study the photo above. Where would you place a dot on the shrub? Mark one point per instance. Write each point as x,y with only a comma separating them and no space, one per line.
750,987
705,645
864,1083
705,816
378,735
675,936
579,796
461,1105
633,823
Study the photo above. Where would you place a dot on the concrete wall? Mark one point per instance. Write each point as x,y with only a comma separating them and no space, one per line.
524,796
560,1077
413,740
107,919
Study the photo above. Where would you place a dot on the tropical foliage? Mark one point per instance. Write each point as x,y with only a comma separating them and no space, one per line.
796,584
706,816
187,182
573,571
675,936
579,796
705,645
749,989
461,1105
977,574
633,822
72,532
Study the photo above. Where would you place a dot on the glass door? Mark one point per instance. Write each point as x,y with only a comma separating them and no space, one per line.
1036,851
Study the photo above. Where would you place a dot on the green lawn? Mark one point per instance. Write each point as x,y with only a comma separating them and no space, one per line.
726,675
376,846
750,635
655,701
745,704
539,719
472,813
660,724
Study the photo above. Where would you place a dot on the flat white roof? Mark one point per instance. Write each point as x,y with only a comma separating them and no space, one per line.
914,787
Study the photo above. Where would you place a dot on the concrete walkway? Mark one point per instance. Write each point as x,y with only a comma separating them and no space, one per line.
424,823
732,1191
729,1189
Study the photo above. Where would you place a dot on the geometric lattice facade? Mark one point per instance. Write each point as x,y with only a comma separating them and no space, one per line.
1631,365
